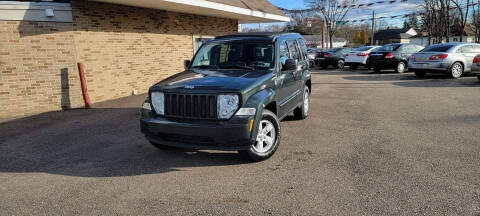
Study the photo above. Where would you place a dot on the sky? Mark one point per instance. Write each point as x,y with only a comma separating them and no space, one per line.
363,13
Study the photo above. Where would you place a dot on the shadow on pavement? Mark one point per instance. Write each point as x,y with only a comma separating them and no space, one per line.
99,142
410,80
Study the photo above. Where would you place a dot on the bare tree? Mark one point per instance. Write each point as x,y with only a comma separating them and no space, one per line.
437,20
476,20
333,12
462,13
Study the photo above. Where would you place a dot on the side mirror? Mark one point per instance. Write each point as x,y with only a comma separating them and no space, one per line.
186,64
290,64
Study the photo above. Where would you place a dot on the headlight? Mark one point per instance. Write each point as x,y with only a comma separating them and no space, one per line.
226,105
158,102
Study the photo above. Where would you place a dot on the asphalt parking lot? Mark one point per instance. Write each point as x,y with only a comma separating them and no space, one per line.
374,144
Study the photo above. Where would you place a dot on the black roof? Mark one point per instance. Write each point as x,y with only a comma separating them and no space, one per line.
392,34
258,35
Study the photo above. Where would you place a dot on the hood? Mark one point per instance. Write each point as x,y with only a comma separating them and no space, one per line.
216,80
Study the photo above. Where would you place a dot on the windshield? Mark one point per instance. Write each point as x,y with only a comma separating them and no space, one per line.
437,48
365,48
389,47
235,55
334,49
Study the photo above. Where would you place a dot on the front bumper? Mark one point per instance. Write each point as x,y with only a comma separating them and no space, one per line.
233,134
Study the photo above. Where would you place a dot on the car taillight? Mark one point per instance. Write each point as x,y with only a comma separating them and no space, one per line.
438,57
389,56
362,54
412,57
326,55
476,60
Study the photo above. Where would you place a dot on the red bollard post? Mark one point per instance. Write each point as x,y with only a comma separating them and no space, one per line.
83,83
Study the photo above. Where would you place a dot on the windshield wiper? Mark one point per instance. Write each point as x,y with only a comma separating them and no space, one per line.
205,66
238,66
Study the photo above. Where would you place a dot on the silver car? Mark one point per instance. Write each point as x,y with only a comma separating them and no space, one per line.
476,66
453,59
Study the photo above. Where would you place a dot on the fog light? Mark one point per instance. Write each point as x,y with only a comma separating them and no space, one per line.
146,106
246,112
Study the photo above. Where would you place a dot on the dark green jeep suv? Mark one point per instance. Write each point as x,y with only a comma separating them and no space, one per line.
232,95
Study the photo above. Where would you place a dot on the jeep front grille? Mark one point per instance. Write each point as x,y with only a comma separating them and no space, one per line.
190,106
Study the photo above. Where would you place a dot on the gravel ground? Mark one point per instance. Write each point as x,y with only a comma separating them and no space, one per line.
374,144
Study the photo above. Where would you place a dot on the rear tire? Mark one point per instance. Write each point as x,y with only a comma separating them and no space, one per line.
420,74
401,67
302,111
340,64
456,70
268,138
163,147
377,69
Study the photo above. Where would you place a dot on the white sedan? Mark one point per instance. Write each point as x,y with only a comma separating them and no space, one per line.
359,56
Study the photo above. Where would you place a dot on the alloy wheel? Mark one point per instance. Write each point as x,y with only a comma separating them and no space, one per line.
306,102
457,70
265,137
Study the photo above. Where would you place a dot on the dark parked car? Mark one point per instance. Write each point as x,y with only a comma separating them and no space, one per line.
312,54
334,57
232,95
392,56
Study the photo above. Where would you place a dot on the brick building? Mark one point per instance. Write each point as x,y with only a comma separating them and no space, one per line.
125,45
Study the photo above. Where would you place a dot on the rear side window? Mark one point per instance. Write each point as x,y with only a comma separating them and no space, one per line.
437,48
466,49
390,47
294,53
303,47
476,48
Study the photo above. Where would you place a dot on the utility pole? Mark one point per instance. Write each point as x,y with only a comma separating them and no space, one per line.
323,33
373,27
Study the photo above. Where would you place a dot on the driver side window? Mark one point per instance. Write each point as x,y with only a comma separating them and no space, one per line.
283,52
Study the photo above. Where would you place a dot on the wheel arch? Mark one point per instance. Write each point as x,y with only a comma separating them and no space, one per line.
308,83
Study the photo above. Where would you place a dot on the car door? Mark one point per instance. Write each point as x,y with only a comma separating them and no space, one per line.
289,86
285,80
468,54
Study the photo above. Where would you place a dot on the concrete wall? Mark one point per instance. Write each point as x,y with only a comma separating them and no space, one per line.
123,49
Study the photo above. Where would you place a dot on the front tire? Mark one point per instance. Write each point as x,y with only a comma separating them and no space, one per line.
456,70
401,67
302,111
268,138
